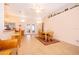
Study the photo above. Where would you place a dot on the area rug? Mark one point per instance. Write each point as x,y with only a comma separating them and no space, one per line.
53,41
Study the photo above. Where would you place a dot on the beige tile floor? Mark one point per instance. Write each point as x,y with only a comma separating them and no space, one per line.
31,46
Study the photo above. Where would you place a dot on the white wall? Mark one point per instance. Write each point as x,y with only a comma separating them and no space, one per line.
65,26
1,18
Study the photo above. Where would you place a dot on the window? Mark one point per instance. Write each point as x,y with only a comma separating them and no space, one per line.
33,28
28,28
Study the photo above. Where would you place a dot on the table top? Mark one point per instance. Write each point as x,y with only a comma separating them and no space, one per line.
6,35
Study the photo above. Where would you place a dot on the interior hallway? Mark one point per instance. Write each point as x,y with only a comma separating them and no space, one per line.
32,46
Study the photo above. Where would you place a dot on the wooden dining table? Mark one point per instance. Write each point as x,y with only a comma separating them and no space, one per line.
48,37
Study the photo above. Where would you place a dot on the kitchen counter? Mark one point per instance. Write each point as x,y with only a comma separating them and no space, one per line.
6,35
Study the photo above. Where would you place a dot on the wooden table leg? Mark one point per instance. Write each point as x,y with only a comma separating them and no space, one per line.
46,38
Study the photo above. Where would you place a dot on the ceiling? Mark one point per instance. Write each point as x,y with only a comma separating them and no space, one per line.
35,11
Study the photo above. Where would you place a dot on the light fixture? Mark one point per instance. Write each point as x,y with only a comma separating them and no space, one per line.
38,10
22,16
37,7
23,20
38,20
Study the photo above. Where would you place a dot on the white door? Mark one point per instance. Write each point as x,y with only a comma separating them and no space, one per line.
30,29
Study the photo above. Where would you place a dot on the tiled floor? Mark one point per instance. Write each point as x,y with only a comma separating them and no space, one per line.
31,46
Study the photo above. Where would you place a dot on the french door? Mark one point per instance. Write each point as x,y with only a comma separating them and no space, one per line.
30,29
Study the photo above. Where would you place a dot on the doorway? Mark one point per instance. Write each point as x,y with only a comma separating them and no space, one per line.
30,29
